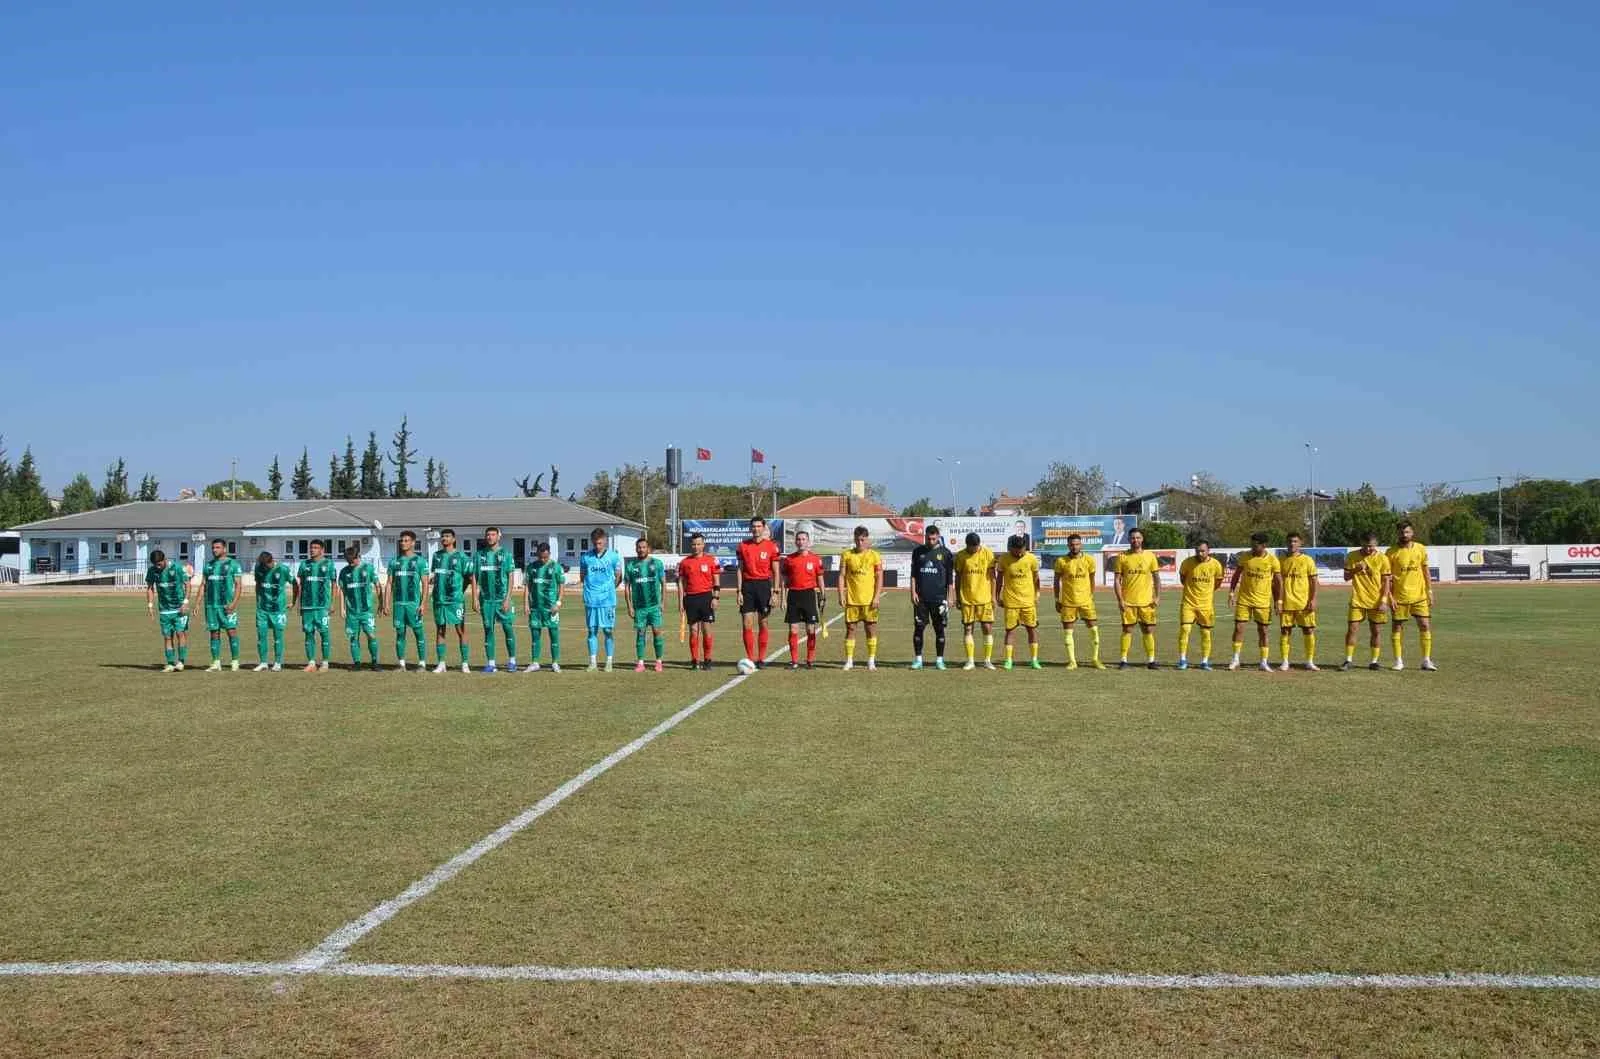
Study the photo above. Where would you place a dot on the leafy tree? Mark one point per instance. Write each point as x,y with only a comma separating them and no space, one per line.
149,488
372,486
1458,527
1066,488
878,492
401,457
115,489
441,480
530,485
921,507
78,496
302,484
1257,495
1162,535
27,501
1576,523
971,511
555,477
224,490
1352,514
275,479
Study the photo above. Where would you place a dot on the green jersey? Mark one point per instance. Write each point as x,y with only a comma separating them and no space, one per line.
221,575
272,588
316,584
450,572
544,583
644,577
406,574
358,583
171,583
493,571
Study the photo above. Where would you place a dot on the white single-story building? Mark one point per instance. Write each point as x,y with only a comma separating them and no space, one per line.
115,543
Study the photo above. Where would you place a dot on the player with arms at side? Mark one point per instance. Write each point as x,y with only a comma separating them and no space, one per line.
933,571
166,594
1075,600
404,596
450,570
1413,596
1261,575
1016,579
316,580
1137,584
600,570
358,594
1299,606
275,590
803,576
222,581
647,581
491,592
542,583
758,571
1367,570
975,596
860,594
699,593
1201,577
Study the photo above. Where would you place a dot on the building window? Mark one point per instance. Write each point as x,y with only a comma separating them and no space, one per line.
233,550
183,549
117,550
572,545
105,550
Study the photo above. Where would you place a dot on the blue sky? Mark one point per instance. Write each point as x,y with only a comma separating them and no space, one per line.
1162,237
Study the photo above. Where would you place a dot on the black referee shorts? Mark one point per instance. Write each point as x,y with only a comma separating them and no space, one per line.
804,607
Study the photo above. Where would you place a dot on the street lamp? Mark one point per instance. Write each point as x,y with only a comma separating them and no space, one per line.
950,466
1311,487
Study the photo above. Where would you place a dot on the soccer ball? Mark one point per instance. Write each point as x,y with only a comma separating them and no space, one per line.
746,666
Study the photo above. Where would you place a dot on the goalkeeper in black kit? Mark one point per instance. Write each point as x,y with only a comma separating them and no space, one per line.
933,569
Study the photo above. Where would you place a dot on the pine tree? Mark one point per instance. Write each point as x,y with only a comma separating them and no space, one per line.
402,457
302,485
275,479
335,479
348,480
78,496
430,478
115,489
6,476
372,485
149,488
27,499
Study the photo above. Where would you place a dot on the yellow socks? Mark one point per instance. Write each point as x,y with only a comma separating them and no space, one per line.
1072,648
1349,652
1377,653
1311,646
1398,641
1205,643
970,647
1184,632
850,649
1238,648
1033,648
1010,652
988,647
1149,647
1283,645
1094,640
1427,644
1127,642
872,648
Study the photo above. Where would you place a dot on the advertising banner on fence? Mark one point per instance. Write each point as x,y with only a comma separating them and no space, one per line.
1050,533
1574,562
724,534
1168,558
1493,564
830,536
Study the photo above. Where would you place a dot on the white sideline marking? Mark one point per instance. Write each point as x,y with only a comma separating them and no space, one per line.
335,945
822,979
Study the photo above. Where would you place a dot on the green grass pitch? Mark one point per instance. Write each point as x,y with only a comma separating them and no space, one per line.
1056,821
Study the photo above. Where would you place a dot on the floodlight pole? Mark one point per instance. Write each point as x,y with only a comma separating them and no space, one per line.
1500,503
1311,490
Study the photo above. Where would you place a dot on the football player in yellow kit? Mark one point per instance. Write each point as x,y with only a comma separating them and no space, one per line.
1298,609
1137,585
1367,570
1075,600
1413,595
1261,578
1201,576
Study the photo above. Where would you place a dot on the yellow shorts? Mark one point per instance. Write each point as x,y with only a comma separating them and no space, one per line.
1072,614
854,614
1138,615
1188,615
1259,615
975,613
1376,615
1028,616
1402,611
1304,619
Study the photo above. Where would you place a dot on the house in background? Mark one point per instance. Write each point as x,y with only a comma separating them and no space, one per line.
1008,506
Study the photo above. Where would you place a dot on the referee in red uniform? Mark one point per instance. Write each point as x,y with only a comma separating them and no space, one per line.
758,569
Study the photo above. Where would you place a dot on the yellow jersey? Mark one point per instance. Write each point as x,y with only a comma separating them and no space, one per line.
1255,579
1299,573
1138,572
974,576
859,573
1200,580
1075,581
1366,588
1408,563
1016,580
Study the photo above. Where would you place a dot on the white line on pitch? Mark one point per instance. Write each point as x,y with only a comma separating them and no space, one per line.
335,945
815,979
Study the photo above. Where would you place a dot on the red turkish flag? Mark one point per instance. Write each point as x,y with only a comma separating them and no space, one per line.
757,456
703,455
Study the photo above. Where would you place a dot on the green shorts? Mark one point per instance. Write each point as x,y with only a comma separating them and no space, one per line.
314,621
266,619
449,614
218,618
173,622
646,618
543,619
493,615
356,624
407,616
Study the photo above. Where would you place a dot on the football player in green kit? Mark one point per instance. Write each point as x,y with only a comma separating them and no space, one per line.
451,570
316,577
647,581
405,596
491,588
166,591
275,583
358,592
222,580
542,580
